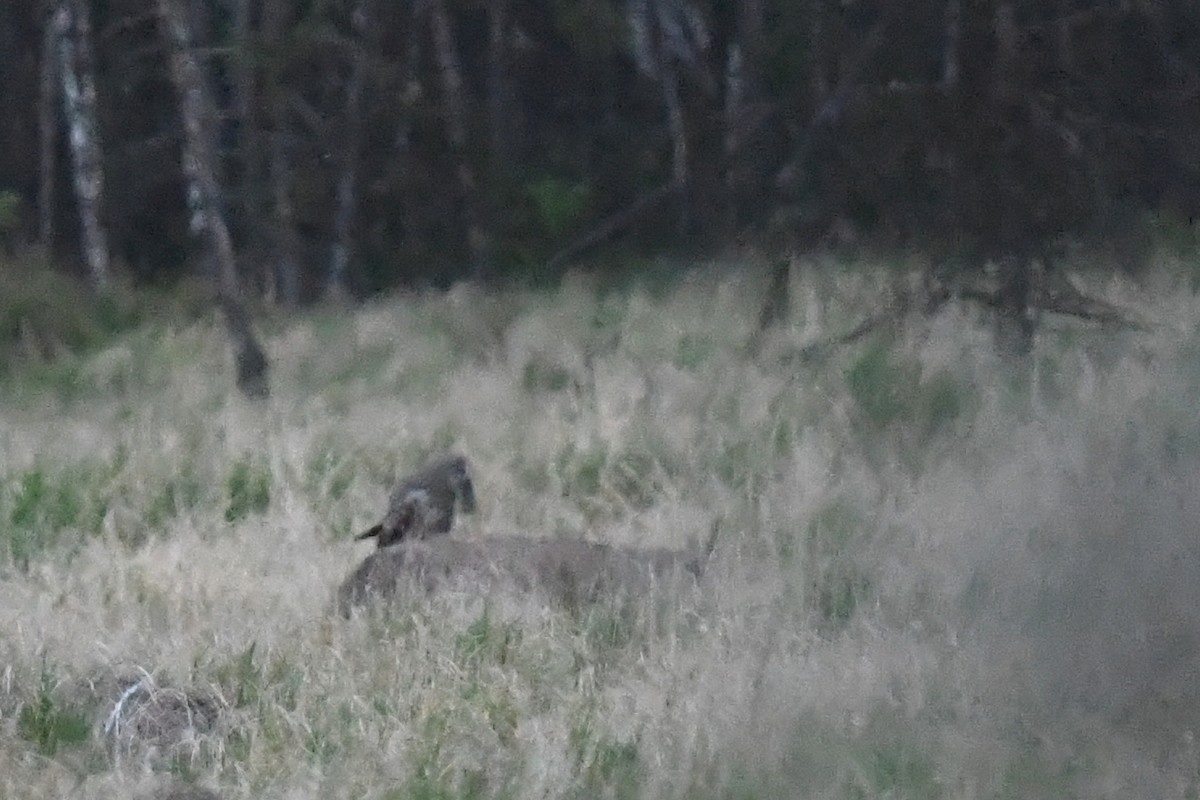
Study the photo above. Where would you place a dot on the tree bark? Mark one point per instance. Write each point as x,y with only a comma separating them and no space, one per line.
204,194
72,30
284,278
499,100
47,137
252,174
347,183
454,96
952,47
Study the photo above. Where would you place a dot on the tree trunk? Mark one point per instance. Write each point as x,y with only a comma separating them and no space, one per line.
818,74
347,183
251,175
750,37
47,138
500,104
678,128
284,278
285,242
72,30
204,195
454,97
952,52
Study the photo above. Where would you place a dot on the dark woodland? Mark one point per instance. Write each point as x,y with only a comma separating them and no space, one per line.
294,150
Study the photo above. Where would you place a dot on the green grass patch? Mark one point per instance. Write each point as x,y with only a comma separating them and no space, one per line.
248,489
50,723
882,386
544,375
47,510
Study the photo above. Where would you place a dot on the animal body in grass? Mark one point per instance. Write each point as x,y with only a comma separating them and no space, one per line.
569,571
423,504
572,571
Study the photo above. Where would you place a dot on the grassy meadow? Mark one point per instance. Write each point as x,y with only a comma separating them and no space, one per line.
937,574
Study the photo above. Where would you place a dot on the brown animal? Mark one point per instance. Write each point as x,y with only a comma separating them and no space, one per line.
571,571
423,504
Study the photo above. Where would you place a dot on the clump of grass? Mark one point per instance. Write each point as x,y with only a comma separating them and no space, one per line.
48,721
45,313
606,766
49,511
604,484
838,582
882,386
248,489
694,351
544,375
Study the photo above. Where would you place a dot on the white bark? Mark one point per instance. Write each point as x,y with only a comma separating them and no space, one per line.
204,195
72,30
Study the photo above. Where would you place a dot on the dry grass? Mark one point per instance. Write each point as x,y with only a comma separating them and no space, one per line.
936,575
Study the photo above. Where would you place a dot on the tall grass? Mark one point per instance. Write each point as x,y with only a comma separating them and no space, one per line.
937,574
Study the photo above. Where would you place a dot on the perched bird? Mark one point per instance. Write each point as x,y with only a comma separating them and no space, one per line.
423,504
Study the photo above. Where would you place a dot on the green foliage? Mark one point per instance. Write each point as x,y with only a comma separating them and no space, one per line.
580,471
943,401
606,766
891,393
248,489
10,212
597,30
43,508
602,483
837,583
606,322
559,203
881,387
734,463
608,627
48,722
542,375
694,351
534,477
1033,774
178,494
45,314
485,641
895,769
243,677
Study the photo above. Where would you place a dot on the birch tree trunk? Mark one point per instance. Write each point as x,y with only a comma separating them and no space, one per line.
72,31
450,72
204,195
347,183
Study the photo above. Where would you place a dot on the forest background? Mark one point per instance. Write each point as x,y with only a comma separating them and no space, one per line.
351,146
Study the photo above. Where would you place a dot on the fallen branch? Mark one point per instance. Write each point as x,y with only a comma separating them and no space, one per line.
614,224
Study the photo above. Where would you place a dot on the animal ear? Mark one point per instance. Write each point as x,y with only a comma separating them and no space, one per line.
369,533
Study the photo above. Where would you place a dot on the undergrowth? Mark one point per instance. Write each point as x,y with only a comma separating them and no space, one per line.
937,573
